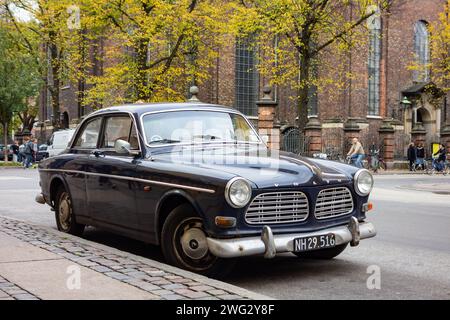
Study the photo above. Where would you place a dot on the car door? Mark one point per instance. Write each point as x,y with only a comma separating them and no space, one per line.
109,183
76,162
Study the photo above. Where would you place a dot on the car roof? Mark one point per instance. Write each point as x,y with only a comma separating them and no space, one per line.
140,108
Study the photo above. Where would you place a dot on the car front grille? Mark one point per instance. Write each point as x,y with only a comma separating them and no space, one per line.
333,202
278,207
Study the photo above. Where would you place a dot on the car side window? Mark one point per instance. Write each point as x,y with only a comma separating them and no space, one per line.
89,136
119,127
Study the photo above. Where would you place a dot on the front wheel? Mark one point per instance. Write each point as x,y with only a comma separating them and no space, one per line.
65,218
184,244
323,254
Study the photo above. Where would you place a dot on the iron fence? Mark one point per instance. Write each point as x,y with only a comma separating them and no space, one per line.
293,140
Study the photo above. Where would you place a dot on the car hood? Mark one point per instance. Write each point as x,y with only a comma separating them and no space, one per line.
266,169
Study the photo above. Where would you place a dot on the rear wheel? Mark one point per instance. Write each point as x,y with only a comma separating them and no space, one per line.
184,244
65,218
324,254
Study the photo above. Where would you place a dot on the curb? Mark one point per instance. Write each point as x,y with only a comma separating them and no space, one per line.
171,269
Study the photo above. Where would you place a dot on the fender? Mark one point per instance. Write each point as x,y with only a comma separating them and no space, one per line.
66,186
179,193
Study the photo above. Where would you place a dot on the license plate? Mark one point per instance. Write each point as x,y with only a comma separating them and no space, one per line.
314,243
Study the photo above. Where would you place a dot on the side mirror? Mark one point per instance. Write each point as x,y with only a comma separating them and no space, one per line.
124,147
265,139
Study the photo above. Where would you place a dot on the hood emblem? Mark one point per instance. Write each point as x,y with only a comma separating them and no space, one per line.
277,185
296,184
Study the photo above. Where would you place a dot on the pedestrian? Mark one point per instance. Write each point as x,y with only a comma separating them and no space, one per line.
441,157
412,156
28,152
420,153
21,158
356,153
35,149
15,151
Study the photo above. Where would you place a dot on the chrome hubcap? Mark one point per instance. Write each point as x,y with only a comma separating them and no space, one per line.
193,242
64,212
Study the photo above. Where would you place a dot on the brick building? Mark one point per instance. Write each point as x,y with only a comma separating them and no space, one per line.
370,105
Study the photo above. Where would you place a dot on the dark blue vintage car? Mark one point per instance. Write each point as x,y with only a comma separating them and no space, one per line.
199,181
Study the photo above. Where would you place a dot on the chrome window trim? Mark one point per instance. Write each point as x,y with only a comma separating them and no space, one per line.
212,109
103,114
279,222
338,215
166,184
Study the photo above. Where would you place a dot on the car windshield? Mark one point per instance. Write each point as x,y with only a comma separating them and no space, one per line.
197,126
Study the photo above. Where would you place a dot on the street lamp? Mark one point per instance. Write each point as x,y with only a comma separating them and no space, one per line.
406,103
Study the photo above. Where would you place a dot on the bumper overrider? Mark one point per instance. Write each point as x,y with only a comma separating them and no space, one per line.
269,244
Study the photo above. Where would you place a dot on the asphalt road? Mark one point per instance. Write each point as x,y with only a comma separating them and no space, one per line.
411,251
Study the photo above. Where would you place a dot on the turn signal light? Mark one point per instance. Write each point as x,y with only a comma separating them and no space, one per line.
367,207
225,222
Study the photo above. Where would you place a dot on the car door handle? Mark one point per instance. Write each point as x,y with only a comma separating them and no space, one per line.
98,153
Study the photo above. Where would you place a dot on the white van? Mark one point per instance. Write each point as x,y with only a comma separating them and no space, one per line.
58,141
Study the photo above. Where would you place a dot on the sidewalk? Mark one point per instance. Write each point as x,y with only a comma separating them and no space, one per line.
41,263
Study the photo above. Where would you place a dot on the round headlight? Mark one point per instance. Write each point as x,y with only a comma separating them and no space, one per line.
363,182
238,192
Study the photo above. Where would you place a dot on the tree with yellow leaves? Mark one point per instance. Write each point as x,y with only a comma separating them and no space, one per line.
440,49
303,30
155,49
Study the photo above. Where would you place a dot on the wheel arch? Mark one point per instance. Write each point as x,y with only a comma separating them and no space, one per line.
169,201
55,183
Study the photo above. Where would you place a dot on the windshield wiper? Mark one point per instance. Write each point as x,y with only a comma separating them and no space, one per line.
164,141
207,136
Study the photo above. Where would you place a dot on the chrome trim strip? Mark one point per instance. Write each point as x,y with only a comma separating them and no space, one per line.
212,109
166,184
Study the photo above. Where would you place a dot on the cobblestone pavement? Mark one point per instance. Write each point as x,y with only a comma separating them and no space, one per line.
162,281
10,291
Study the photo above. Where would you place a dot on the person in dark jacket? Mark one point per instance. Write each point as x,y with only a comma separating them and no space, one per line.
420,161
412,156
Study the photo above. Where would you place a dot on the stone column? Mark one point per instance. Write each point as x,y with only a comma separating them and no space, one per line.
418,134
386,132
266,119
313,134
445,138
351,130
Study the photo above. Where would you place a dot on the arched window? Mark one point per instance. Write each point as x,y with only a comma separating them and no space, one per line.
246,77
422,51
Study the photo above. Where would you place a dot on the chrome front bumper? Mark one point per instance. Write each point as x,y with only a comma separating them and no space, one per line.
40,198
269,244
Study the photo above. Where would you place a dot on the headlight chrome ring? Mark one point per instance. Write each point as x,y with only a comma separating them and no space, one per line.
238,192
363,182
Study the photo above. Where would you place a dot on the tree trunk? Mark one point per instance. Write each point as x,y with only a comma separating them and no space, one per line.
54,92
303,91
5,140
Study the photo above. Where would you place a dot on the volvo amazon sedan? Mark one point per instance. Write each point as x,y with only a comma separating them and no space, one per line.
199,181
